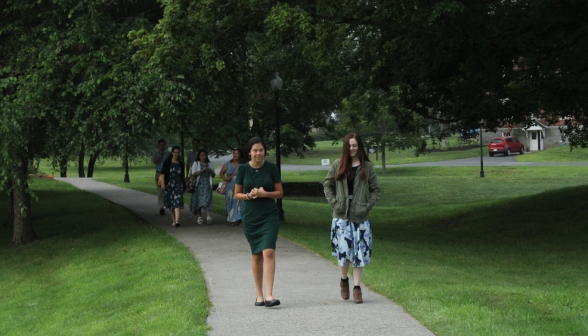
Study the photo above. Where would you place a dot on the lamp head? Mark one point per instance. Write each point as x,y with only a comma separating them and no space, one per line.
276,83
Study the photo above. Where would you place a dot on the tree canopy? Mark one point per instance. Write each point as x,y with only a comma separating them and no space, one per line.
81,76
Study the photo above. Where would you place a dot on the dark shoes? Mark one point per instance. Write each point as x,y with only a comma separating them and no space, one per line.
345,289
274,302
161,211
357,295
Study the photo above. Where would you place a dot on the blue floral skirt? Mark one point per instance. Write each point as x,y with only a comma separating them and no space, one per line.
351,241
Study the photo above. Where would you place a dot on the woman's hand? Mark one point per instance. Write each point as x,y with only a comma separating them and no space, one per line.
261,192
253,194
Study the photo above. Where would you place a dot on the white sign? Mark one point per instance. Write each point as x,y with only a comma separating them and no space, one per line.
326,162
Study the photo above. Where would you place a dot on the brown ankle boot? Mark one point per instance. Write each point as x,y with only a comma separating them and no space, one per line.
345,289
357,295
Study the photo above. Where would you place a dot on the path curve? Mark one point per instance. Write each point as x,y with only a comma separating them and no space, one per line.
307,284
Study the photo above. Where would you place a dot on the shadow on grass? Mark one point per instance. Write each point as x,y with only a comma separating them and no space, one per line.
71,215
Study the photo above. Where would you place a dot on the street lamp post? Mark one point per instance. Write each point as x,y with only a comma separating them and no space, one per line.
481,154
127,180
276,85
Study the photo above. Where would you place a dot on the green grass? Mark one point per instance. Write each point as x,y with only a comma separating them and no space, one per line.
503,255
556,154
97,270
328,150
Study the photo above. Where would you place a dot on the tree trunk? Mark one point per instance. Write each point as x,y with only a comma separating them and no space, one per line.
23,221
376,150
92,163
383,158
10,220
81,162
63,167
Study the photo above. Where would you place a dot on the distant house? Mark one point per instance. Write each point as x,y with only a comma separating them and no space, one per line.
539,136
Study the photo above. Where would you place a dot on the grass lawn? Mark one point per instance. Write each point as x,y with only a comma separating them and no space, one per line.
328,150
556,154
503,255
97,270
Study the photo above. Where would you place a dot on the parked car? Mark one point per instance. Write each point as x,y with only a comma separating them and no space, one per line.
505,145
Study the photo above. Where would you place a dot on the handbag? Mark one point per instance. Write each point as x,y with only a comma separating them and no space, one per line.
222,188
191,180
190,184
161,181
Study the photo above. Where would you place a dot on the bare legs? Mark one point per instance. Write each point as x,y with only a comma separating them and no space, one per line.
175,216
357,273
257,268
263,266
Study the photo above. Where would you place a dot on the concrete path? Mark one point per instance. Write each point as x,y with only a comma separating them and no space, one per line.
306,284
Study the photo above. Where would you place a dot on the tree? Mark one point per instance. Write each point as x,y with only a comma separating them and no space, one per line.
59,60
211,65
383,122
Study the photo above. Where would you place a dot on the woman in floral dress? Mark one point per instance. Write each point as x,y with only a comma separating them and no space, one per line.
227,173
174,182
203,170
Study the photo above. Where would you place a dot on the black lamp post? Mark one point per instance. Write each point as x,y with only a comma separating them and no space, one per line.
481,154
276,85
127,180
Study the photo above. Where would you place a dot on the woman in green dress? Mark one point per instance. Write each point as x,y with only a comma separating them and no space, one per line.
258,184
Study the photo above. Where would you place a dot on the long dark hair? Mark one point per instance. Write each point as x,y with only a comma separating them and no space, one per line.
203,150
345,160
241,158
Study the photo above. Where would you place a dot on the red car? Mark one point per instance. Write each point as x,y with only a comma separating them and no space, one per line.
505,145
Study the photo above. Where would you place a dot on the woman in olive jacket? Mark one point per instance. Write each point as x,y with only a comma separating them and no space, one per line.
352,189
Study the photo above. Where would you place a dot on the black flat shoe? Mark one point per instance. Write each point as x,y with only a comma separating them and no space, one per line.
274,302
260,304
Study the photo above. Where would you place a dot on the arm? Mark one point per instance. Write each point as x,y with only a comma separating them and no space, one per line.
239,195
222,173
157,158
261,193
195,170
329,185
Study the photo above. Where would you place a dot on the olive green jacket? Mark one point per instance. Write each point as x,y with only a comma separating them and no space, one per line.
365,193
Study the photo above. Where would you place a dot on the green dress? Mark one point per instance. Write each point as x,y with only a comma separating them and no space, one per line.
260,217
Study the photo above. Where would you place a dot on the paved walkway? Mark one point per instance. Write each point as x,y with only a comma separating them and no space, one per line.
307,284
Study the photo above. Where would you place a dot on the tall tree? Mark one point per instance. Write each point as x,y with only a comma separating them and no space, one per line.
59,59
211,64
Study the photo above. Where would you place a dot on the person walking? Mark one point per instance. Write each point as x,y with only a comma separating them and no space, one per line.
346,189
227,173
201,199
174,182
258,184
158,158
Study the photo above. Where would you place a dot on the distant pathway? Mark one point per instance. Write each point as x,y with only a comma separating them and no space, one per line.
497,161
307,284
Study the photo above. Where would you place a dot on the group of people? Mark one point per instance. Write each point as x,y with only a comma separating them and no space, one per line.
171,178
351,188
